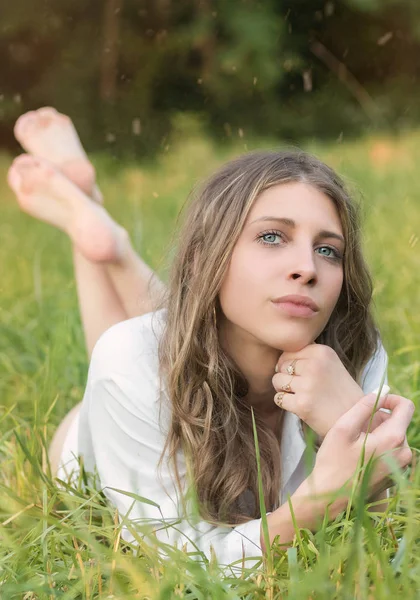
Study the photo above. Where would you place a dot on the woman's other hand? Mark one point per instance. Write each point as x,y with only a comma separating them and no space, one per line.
321,390
338,461
338,457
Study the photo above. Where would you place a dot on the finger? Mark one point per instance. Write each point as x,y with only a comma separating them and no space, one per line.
393,430
286,383
292,403
286,402
308,351
378,418
391,401
288,357
297,363
355,418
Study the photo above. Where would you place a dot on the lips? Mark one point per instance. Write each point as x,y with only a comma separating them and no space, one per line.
296,306
298,301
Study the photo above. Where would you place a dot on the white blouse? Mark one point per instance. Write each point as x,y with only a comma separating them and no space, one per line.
121,431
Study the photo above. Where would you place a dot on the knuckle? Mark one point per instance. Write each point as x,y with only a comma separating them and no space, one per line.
410,406
325,352
396,439
310,369
341,429
302,408
305,389
406,456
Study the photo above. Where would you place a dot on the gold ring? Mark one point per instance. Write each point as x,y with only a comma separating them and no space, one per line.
286,388
278,399
291,368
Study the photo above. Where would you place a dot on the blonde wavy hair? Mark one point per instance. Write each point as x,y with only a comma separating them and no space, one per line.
211,421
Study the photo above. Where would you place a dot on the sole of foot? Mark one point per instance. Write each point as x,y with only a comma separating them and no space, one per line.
44,192
49,134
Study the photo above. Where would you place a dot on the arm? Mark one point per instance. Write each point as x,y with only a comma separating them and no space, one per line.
380,496
308,512
123,424
371,382
128,442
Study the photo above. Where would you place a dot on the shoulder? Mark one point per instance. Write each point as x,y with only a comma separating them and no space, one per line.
122,416
128,346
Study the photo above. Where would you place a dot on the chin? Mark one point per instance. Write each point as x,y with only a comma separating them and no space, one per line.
292,337
294,346
289,344
288,339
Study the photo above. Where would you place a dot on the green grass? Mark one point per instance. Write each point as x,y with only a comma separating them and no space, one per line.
57,544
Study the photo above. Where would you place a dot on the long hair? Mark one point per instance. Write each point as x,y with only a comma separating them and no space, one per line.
211,423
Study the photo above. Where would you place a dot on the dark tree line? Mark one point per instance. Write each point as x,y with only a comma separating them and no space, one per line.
288,68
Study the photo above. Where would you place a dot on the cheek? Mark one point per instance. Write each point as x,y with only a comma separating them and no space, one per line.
242,281
339,285
334,290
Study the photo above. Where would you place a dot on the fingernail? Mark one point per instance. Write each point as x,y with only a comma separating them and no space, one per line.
385,390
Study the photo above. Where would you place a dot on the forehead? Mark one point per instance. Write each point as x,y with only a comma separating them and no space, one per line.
298,201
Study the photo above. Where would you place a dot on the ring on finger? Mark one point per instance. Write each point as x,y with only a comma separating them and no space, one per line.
291,369
278,399
286,388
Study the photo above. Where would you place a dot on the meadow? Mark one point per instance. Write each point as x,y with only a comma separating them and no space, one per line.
65,543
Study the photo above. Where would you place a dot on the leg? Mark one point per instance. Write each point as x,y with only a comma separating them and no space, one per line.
57,443
105,297
138,287
50,135
99,304
46,194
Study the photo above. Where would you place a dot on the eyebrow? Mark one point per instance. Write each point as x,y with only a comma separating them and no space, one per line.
292,224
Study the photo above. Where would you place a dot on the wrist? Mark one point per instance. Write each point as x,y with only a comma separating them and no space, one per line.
320,497
309,433
307,510
281,521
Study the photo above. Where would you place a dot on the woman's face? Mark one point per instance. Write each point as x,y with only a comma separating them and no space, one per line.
291,245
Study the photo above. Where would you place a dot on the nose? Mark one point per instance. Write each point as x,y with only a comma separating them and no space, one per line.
303,266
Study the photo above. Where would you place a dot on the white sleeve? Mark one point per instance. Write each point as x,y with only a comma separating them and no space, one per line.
375,370
120,436
373,374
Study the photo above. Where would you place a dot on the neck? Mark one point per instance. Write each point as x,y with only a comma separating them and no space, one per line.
257,362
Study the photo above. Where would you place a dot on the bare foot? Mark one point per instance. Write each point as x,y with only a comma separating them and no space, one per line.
51,135
45,193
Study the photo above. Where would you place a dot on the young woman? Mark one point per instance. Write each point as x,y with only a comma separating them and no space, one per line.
268,308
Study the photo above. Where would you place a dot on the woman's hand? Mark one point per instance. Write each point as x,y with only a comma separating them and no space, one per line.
338,457
322,389
338,461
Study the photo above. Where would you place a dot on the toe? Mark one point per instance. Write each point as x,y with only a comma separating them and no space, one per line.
47,111
20,172
14,179
24,160
46,115
22,123
32,171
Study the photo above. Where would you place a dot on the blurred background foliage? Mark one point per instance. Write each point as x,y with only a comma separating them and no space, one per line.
292,69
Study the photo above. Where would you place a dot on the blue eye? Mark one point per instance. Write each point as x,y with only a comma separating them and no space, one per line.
328,252
274,239
269,238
